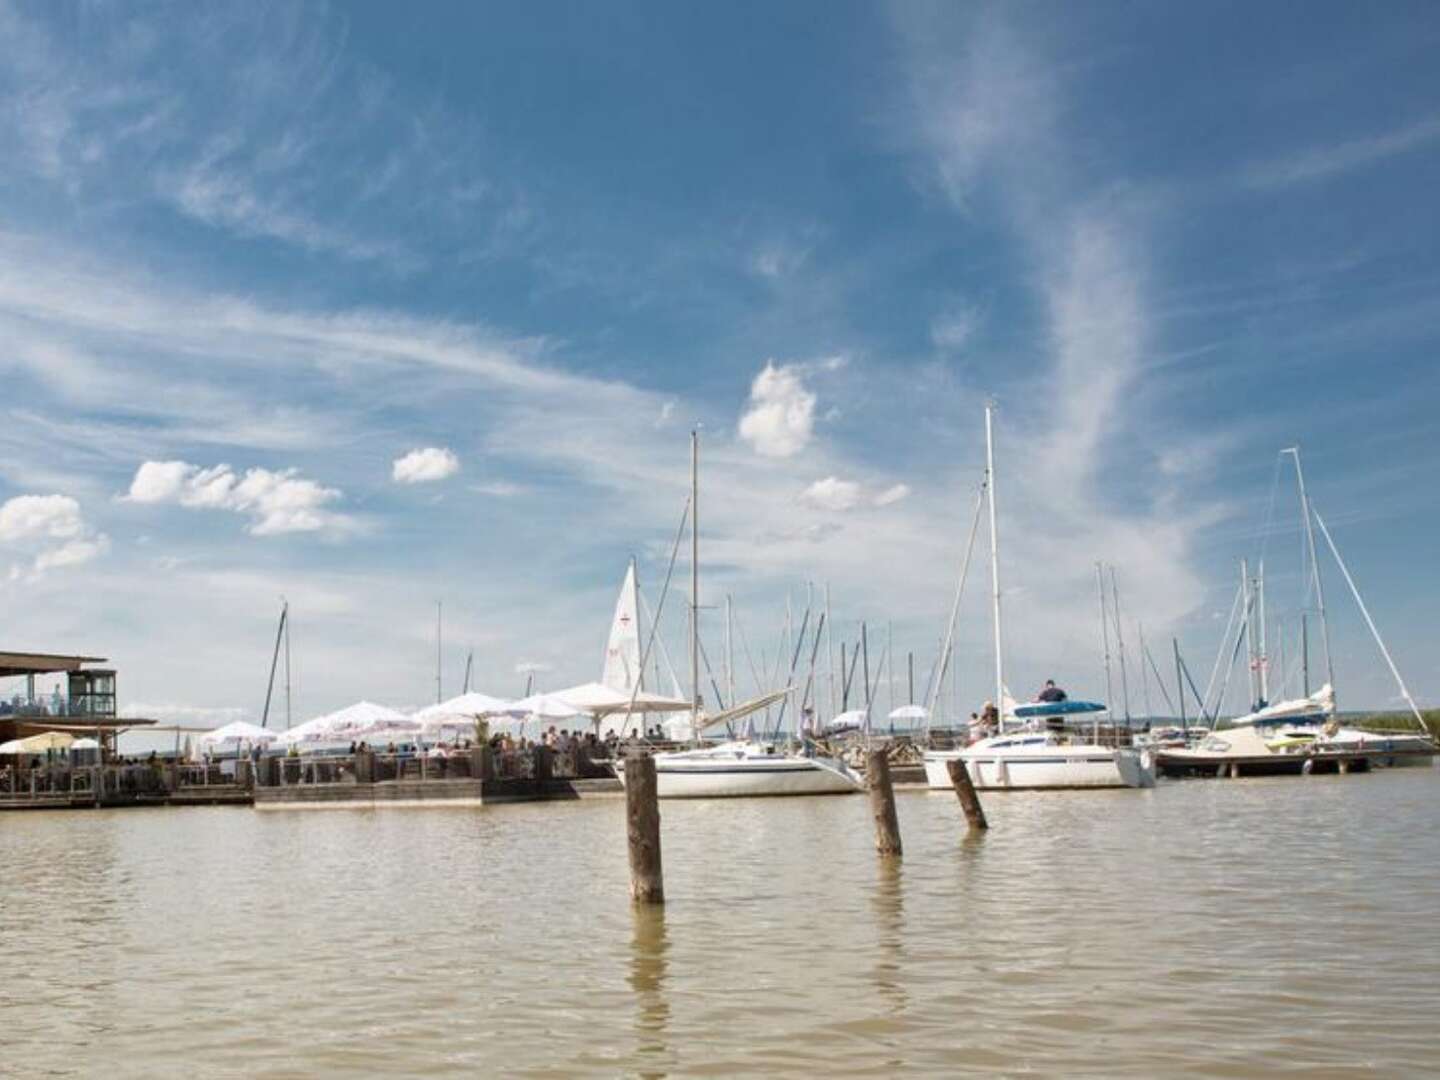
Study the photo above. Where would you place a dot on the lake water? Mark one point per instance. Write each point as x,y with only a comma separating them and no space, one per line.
1229,928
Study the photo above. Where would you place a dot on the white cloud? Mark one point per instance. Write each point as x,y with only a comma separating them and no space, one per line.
276,502
499,489
32,517
780,418
52,529
1326,161
423,466
531,667
832,493
952,329
892,494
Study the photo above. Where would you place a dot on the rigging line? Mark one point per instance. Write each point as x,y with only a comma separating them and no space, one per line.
1225,688
790,677
659,641
705,659
745,648
1159,681
944,662
1224,642
659,607
1374,630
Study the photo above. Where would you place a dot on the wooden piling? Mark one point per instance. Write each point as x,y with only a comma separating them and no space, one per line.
642,825
965,792
882,802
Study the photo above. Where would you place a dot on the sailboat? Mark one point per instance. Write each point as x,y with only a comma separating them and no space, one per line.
1040,744
1286,736
741,767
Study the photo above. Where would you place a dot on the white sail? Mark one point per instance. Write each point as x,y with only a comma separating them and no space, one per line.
622,651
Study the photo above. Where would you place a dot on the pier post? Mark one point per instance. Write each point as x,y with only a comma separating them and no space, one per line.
365,766
172,778
965,792
642,825
882,802
244,775
544,766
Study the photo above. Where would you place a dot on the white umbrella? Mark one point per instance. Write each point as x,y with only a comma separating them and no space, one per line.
461,711
909,712
601,700
85,744
543,707
239,732
846,721
48,740
362,720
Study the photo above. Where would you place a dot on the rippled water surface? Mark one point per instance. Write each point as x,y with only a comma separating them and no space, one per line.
1229,928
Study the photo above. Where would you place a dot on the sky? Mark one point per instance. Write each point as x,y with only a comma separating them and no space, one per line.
372,309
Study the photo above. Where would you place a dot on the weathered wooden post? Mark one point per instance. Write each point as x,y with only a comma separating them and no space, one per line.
965,792
882,802
544,759
244,773
642,827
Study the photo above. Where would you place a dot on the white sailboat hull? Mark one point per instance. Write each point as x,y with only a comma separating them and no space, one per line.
1027,768
710,774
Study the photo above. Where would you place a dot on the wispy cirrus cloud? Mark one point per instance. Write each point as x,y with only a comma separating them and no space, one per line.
1321,162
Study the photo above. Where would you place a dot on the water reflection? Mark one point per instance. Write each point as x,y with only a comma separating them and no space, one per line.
888,904
649,946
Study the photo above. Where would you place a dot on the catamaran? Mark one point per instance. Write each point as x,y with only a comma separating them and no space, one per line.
741,767
1040,745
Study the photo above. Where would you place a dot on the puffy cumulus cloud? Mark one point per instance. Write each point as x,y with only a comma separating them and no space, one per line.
893,494
780,417
425,465
832,493
50,530
276,501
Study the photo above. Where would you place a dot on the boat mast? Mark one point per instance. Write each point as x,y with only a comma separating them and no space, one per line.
729,656
994,560
1294,451
1104,634
1305,653
1144,674
1251,663
285,614
694,577
1261,637
1120,646
830,650
1180,685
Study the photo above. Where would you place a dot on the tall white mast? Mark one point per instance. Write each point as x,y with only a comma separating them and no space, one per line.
1262,645
830,649
1294,451
287,661
694,575
729,657
994,559
1249,624
1120,644
1105,636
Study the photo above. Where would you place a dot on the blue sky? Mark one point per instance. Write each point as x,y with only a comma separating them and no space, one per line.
271,250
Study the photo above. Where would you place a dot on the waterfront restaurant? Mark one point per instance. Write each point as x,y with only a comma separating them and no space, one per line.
86,709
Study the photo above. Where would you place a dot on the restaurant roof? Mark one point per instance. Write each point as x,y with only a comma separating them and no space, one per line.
33,663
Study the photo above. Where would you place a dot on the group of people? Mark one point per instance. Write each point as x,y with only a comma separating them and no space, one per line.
986,722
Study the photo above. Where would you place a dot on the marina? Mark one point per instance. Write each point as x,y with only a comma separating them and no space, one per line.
702,540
